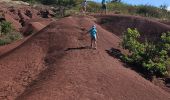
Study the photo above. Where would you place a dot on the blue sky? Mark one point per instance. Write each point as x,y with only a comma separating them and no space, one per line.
150,2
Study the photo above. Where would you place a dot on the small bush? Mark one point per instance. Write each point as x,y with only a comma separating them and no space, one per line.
153,57
148,11
4,41
15,36
6,27
30,1
7,39
8,35
93,7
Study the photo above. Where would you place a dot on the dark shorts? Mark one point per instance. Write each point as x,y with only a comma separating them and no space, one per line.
93,38
104,6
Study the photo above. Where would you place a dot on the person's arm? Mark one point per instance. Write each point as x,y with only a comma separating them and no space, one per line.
88,31
97,34
85,34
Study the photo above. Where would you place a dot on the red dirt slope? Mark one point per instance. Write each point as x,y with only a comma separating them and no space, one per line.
34,25
66,70
15,23
119,23
20,15
165,22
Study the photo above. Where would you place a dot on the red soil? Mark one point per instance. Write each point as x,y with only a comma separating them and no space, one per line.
165,22
34,25
117,24
14,22
54,65
10,47
19,17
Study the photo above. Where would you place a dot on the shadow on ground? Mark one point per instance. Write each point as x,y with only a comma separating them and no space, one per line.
78,48
116,53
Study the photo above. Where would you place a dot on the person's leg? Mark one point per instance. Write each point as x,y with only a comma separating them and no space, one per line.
82,9
102,10
105,9
85,8
95,44
91,43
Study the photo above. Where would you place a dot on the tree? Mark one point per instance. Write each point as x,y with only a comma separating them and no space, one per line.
164,7
116,1
153,57
48,2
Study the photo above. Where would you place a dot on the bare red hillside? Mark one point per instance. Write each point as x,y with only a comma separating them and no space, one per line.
34,25
117,24
20,16
54,64
165,22
14,22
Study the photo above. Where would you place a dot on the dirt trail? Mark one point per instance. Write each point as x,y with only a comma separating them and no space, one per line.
67,70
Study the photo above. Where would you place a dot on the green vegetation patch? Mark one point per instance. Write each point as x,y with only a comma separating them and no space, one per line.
152,57
117,6
5,27
8,34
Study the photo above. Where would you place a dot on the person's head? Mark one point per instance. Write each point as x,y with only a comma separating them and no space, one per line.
85,0
94,26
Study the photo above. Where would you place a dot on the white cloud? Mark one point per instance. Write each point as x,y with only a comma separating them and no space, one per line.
168,8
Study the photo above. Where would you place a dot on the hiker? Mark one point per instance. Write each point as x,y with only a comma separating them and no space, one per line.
104,7
84,6
62,11
93,34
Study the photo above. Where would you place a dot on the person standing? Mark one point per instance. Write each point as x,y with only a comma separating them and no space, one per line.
84,6
93,35
104,6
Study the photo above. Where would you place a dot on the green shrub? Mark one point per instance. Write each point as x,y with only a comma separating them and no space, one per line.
93,7
114,6
15,36
0,31
31,1
153,57
7,39
47,2
4,41
148,11
6,27
7,36
118,7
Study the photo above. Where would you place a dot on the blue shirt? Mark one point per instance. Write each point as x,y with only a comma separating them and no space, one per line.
93,32
103,1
